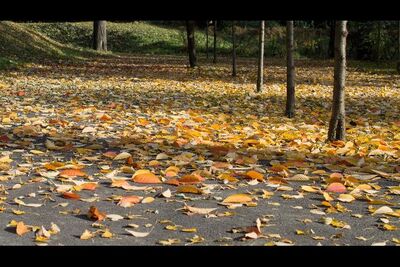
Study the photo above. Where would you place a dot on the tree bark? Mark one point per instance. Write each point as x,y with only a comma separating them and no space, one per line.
260,74
398,43
378,49
207,39
337,130
331,48
215,42
290,70
99,35
233,50
191,43
398,48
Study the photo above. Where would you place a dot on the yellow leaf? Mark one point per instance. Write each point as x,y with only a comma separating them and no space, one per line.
107,234
310,189
346,198
171,227
238,198
189,189
189,230
86,235
327,196
299,232
18,212
388,227
148,200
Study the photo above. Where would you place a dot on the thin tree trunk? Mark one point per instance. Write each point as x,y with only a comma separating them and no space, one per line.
290,71
207,39
99,35
331,48
260,74
398,44
378,52
191,43
398,48
337,130
215,42
233,50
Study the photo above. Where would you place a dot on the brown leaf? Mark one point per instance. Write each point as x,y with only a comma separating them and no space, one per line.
95,214
189,189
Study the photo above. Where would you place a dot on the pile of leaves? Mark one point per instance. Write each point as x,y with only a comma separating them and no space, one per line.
143,150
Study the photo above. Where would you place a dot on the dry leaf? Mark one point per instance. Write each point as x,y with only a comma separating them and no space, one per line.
238,198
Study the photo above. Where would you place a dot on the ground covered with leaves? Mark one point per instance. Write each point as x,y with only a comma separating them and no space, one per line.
144,151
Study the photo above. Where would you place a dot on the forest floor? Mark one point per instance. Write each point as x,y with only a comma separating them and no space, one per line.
167,155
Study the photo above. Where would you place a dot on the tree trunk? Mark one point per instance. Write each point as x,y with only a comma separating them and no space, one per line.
331,48
398,43
398,48
215,42
99,35
337,130
378,49
260,73
207,39
191,43
290,71
233,50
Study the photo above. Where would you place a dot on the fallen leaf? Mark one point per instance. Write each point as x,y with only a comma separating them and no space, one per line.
95,214
21,229
86,235
346,198
336,188
137,234
238,198
129,201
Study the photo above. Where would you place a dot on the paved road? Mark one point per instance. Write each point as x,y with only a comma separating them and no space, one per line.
284,219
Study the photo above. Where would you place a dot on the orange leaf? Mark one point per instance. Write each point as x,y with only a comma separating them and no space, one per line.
119,183
221,165
88,186
72,172
105,117
172,181
53,165
336,175
146,178
277,180
238,198
255,175
110,154
20,93
191,179
21,229
70,195
278,168
129,201
95,214
336,188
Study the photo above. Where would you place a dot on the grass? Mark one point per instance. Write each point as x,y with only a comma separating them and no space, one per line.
20,44
155,38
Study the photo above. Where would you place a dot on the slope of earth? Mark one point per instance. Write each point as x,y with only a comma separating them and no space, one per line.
144,151
21,44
